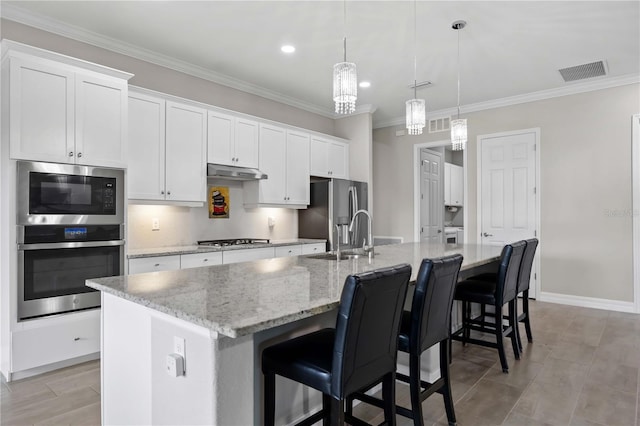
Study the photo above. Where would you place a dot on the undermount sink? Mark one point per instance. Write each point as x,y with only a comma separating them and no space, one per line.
344,255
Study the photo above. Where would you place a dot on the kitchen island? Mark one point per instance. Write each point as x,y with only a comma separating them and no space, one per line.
222,317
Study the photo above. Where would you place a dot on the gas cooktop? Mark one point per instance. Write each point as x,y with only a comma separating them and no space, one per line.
232,242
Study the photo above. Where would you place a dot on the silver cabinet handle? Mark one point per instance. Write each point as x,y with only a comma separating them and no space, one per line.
168,192
156,265
161,192
79,154
205,260
75,339
70,153
484,234
439,231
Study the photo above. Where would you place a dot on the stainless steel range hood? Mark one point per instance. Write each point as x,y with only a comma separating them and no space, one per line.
221,171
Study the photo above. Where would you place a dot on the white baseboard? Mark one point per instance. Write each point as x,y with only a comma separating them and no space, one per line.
18,375
587,302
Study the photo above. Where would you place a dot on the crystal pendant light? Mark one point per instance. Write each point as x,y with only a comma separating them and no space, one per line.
415,110
459,125
345,79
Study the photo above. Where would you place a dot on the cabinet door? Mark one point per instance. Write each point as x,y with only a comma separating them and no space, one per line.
101,116
338,160
319,158
41,123
286,251
272,159
145,174
196,260
220,138
314,248
297,169
246,255
447,184
246,146
457,189
185,152
141,265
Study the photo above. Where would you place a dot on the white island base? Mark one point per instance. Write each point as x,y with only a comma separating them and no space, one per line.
223,380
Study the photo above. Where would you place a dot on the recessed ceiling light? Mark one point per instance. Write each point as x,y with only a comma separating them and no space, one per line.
365,84
287,48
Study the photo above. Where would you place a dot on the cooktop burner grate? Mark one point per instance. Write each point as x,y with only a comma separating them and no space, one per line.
233,242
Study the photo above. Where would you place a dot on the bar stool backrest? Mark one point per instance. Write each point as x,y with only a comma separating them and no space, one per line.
367,328
432,301
507,284
527,264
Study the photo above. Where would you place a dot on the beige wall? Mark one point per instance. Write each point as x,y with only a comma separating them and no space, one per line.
585,179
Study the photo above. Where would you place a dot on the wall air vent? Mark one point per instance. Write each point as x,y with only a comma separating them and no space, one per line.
442,124
580,72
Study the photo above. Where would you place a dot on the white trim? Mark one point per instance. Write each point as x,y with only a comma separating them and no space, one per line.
480,138
635,172
416,186
587,302
569,89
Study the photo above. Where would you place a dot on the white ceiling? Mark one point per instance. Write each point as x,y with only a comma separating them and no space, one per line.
509,48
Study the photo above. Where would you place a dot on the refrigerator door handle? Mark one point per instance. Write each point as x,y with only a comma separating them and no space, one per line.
353,198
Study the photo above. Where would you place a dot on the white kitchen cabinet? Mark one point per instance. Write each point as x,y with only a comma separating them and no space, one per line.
246,255
232,140
185,152
314,248
196,260
453,185
286,251
64,113
328,158
282,158
140,265
167,150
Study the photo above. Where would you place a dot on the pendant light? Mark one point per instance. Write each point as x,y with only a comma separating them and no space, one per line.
415,108
345,79
458,126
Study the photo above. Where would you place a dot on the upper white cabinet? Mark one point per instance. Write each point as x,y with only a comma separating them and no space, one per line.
232,140
63,113
167,150
329,158
453,185
283,155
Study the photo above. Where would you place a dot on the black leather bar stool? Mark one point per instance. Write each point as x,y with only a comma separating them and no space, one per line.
497,293
427,324
361,350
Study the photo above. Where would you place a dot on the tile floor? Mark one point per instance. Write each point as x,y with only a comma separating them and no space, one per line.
582,369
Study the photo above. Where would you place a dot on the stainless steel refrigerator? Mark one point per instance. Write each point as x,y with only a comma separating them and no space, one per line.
333,204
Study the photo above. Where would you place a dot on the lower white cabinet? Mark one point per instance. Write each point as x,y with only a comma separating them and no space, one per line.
314,248
56,339
285,251
246,255
196,260
141,265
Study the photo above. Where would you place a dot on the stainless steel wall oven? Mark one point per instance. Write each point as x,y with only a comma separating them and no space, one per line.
70,228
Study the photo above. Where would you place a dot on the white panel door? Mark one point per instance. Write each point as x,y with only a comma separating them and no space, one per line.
338,160
431,205
297,168
246,143
508,189
220,138
185,152
319,157
101,116
145,174
273,150
42,116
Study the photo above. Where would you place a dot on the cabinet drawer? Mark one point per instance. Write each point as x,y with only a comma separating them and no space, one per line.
196,260
246,255
153,264
284,251
314,248
44,345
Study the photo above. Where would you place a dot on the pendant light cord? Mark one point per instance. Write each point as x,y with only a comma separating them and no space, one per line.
344,28
415,51
458,31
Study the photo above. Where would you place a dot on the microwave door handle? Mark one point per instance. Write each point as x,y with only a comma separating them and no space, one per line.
70,244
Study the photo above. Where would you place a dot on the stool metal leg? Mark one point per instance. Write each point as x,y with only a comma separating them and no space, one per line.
513,322
389,397
336,412
499,339
446,391
269,399
415,389
525,310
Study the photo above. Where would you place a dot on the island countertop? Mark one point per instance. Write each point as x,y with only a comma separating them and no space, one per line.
243,298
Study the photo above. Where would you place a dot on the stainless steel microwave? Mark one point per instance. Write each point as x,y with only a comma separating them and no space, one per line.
50,193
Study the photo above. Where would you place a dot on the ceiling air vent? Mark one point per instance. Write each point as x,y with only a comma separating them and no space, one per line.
580,72
439,124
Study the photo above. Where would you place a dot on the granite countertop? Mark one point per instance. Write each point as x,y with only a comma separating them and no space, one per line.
168,251
243,298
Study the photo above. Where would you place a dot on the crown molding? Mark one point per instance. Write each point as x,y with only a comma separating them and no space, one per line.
571,89
360,109
14,13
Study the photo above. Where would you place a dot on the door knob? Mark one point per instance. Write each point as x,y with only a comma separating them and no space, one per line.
484,234
439,231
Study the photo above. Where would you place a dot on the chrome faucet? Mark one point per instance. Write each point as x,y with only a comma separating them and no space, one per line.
367,248
338,243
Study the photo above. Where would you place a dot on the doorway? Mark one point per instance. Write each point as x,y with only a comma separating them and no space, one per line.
418,206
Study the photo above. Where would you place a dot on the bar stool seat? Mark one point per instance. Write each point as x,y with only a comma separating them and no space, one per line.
361,350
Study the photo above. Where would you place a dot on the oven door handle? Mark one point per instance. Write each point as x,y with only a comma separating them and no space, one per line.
70,244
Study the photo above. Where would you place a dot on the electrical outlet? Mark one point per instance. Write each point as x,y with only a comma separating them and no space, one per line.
155,224
178,345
